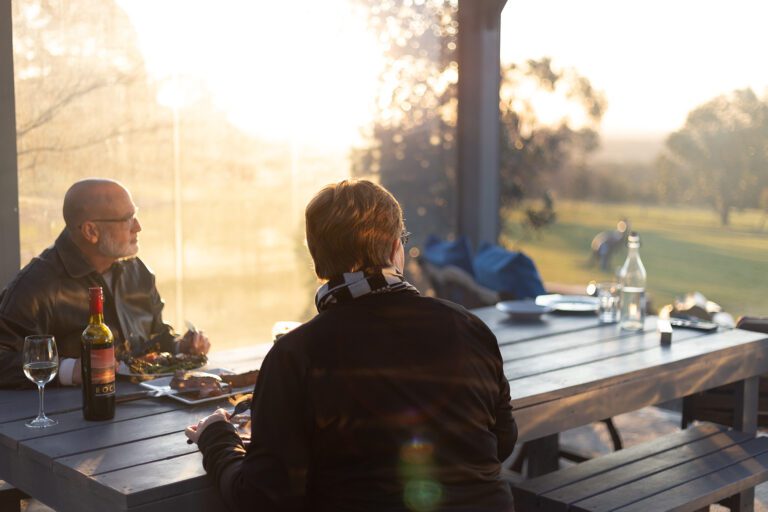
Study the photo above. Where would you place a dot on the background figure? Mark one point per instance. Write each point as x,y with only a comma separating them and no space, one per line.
606,243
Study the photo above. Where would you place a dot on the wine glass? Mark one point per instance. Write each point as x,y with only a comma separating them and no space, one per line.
41,362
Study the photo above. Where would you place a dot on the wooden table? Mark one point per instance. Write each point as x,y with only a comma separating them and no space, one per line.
138,461
564,371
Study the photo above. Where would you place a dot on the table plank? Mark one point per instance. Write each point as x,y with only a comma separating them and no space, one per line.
112,433
585,403
701,349
18,404
136,453
13,432
572,350
156,480
509,331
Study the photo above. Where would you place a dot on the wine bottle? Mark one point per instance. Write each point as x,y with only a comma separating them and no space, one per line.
97,354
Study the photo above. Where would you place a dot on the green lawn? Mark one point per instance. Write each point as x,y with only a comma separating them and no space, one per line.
683,250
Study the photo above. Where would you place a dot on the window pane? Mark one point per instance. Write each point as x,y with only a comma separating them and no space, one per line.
697,198
222,120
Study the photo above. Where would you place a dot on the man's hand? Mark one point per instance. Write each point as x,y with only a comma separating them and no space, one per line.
193,432
194,343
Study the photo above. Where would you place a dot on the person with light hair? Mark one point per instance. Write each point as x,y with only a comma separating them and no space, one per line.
386,400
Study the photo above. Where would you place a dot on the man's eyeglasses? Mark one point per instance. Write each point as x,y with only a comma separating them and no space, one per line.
405,236
128,219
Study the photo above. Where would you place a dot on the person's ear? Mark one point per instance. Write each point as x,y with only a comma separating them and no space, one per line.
90,232
393,251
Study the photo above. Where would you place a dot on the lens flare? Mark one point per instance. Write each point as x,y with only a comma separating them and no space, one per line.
423,495
422,492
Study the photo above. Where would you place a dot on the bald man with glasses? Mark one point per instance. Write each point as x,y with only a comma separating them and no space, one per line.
97,247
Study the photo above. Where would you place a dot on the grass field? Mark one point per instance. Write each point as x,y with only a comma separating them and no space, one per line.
683,250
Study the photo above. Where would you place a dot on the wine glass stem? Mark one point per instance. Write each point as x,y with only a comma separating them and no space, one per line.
40,412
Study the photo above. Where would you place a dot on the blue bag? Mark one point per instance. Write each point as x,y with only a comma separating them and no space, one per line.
508,272
440,252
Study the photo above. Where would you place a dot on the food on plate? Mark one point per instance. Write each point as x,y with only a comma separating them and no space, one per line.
241,380
153,363
199,384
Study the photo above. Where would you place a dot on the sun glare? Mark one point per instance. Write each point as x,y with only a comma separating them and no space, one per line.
303,71
655,60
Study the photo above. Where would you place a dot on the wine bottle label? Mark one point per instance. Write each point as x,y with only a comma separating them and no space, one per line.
103,370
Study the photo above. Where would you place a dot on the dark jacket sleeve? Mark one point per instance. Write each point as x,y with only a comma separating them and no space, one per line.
21,314
505,427
272,473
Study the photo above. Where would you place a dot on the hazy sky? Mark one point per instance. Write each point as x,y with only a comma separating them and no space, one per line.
307,69
655,60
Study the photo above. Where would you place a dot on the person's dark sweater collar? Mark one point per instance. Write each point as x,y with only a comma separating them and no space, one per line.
72,257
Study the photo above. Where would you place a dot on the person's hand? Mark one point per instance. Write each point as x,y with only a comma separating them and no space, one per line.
194,342
193,432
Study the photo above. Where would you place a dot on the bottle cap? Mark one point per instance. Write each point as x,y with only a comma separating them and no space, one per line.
97,299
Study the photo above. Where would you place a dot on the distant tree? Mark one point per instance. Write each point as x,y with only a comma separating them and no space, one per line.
720,156
80,79
411,145
535,152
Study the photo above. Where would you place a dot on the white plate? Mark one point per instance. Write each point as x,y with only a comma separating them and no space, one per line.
522,309
569,303
163,385
124,370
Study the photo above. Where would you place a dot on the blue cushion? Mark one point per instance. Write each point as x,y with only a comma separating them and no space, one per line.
507,271
448,252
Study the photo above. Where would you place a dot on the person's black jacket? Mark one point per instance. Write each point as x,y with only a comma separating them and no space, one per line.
390,402
50,296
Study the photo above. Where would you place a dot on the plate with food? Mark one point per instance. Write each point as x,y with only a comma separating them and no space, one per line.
569,303
195,387
160,364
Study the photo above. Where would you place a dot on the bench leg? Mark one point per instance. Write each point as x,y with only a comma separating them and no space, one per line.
10,500
745,419
543,455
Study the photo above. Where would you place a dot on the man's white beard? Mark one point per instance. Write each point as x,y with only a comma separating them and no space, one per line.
109,247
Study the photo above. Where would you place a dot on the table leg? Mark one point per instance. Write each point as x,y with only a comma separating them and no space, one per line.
543,455
745,419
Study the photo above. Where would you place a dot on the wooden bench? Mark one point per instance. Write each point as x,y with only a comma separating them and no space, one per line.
685,471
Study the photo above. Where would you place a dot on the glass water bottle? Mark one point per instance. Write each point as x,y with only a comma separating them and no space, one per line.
632,277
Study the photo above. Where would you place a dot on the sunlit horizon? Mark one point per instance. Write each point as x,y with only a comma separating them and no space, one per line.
282,71
656,60
302,72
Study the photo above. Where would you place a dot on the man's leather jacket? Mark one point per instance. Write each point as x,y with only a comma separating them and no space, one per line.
50,296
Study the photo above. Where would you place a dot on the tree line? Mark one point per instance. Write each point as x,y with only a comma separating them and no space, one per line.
719,158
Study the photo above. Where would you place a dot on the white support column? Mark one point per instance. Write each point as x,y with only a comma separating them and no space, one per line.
9,180
478,119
